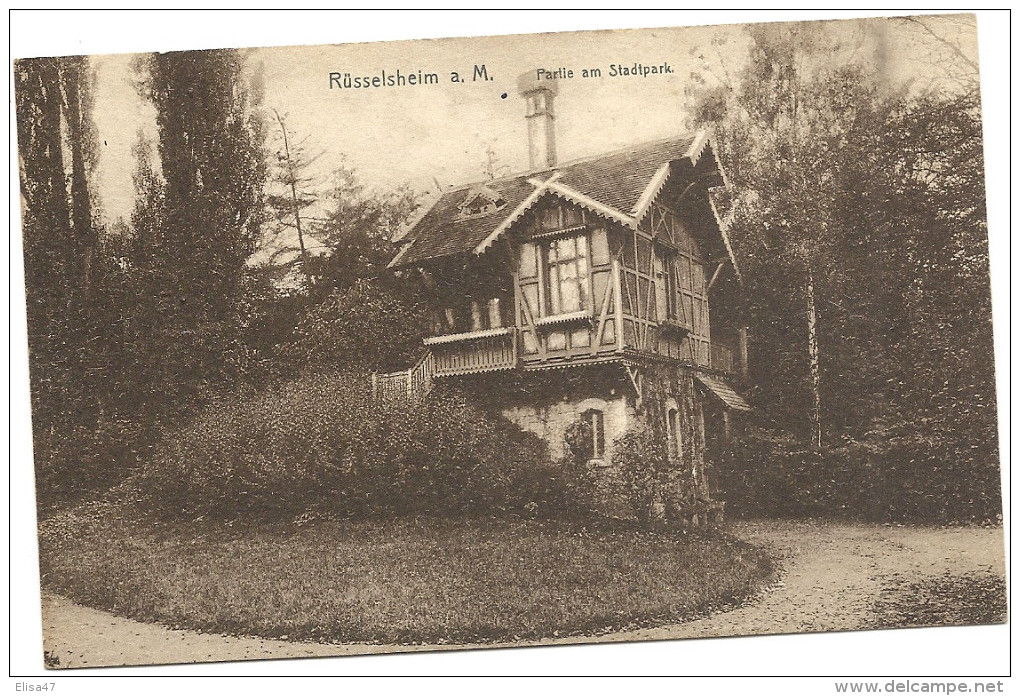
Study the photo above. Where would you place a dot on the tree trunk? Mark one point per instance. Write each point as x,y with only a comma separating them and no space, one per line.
292,180
816,395
73,74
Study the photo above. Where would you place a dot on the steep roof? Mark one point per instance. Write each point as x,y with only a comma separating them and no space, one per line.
617,185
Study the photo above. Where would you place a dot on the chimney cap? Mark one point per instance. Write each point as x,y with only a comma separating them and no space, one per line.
529,82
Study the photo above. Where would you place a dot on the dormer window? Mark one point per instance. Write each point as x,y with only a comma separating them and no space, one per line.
481,201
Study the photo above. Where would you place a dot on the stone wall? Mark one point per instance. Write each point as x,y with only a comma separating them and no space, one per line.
550,420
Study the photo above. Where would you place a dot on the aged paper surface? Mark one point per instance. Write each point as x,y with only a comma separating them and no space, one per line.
455,148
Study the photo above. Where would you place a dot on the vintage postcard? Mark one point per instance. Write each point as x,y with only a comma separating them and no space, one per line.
573,337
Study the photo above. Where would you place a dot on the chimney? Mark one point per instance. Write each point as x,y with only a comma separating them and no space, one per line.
538,95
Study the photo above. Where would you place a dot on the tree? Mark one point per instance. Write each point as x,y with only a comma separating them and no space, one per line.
204,213
72,335
790,128
357,227
858,216
357,313
292,175
363,327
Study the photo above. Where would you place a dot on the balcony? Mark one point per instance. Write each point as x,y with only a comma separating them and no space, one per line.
475,351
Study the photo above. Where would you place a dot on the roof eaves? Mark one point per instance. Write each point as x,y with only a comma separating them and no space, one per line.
400,254
697,146
723,226
651,191
540,188
592,204
721,390
704,139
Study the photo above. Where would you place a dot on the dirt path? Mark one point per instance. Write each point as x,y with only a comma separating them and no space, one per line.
832,575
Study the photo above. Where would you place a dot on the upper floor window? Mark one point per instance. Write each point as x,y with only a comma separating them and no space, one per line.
466,315
567,263
665,285
481,200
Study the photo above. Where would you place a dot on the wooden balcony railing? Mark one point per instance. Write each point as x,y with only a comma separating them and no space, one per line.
480,351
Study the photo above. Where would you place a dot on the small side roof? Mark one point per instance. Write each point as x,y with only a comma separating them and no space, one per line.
723,392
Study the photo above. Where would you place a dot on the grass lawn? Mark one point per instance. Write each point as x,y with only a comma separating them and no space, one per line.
403,581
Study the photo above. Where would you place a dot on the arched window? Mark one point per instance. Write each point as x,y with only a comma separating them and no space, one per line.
672,424
596,421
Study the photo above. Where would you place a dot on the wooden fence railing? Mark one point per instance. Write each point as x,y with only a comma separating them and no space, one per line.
410,385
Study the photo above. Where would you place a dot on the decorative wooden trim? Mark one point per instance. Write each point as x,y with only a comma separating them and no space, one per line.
591,204
540,188
565,363
636,380
468,335
723,225
618,298
651,191
697,147
600,329
565,232
715,275
458,372
581,317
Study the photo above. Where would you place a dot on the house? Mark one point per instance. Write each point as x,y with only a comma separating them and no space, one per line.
601,290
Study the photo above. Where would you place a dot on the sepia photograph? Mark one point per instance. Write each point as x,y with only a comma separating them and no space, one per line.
525,340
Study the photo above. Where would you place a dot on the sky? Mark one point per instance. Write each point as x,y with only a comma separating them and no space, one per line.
438,135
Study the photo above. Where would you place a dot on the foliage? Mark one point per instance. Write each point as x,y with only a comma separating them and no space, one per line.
322,444
357,228
581,485
360,327
888,477
859,210
949,600
394,580
72,278
655,484
348,311
197,219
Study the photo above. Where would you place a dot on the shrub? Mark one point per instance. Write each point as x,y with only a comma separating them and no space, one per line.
366,326
894,478
75,461
581,494
651,479
320,444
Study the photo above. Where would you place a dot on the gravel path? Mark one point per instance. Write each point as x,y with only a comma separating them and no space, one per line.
832,573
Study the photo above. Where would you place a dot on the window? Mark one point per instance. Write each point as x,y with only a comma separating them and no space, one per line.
674,433
469,315
665,285
567,261
483,201
478,319
595,420
495,313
